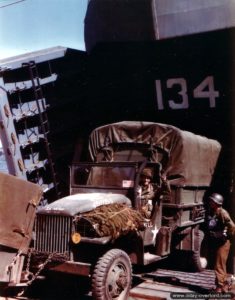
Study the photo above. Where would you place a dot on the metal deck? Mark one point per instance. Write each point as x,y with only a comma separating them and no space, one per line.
168,284
160,284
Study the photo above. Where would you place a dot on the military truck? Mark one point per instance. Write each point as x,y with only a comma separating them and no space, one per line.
99,229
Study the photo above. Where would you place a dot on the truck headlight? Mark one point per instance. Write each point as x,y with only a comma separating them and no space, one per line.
76,237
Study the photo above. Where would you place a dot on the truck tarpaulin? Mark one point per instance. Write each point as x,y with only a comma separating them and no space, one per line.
192,158
18,202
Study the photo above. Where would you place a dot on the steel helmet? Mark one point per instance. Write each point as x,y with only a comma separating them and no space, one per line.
217,198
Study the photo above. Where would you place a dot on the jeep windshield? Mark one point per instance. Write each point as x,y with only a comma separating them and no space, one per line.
104,174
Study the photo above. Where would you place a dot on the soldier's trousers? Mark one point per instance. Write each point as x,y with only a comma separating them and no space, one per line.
221,257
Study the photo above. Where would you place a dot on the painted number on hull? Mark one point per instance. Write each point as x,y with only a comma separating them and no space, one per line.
205,89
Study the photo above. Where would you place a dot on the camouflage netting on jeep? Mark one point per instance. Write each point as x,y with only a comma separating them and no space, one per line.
114,220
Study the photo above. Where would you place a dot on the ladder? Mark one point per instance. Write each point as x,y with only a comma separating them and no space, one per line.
43,119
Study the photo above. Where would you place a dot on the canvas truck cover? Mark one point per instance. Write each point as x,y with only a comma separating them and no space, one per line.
18,202
192,158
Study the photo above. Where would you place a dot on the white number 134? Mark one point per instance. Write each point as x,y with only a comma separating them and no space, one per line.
204,90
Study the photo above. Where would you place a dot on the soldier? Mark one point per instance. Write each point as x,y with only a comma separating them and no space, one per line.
146,192
221,228
150,193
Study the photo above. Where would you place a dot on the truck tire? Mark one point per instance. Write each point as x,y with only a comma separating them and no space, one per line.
189,260
112,276
198,263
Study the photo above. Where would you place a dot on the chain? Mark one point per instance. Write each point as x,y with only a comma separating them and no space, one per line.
28,260
34,276
42,266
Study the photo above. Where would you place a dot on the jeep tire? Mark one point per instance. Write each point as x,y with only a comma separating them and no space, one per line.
112,276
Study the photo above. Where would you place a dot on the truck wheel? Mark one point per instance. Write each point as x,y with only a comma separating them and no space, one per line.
189,260
112,276
198,263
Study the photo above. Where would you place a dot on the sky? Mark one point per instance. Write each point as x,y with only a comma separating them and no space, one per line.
31,25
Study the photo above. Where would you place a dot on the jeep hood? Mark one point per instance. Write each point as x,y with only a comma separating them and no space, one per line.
80,203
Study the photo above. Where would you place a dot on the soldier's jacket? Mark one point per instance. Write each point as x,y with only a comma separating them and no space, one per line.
147,192
225,221
155,191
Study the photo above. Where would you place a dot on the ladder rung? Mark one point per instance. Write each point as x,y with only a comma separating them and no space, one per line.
31,142
26,115
34,167
55,186
47,187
